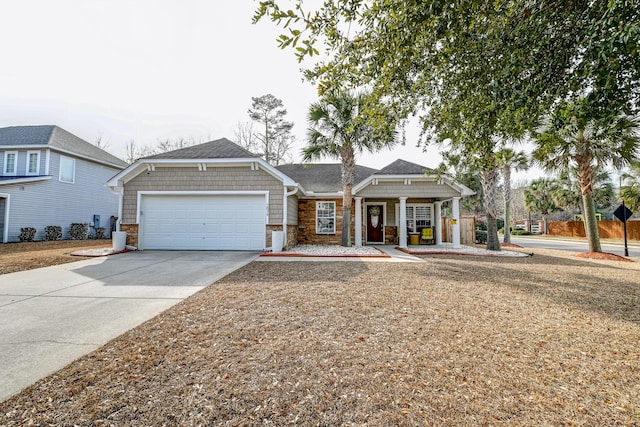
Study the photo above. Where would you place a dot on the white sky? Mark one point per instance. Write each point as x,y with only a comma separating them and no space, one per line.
148,70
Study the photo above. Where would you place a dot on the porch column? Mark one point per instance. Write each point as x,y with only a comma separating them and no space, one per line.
438,222
455,227
358,215
402,240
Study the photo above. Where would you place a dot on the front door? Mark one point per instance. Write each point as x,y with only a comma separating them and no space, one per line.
375,223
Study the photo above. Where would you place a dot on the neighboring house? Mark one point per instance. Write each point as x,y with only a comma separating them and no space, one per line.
219,196
51,177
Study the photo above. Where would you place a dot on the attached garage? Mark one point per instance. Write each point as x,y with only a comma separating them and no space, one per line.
203,221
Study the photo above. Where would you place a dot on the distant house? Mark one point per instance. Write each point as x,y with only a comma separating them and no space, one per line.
219,196
50,177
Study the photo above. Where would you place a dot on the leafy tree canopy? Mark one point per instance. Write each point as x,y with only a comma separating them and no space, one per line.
521,56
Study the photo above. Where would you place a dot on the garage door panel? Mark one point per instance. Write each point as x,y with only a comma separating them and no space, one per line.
210,222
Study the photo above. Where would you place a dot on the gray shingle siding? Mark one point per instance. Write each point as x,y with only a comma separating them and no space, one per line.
51,202
417,189
292,210
213,179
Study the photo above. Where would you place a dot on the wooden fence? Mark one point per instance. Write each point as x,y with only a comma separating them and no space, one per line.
606,229
467,230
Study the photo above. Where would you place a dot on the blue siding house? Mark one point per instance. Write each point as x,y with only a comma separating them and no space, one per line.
49,176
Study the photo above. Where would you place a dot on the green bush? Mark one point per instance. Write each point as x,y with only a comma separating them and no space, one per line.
27,234
520,233
481,236
78,231
52,232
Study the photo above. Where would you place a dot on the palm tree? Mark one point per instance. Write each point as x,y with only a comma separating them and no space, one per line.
538,198
340,126
572,138
630,193
508,160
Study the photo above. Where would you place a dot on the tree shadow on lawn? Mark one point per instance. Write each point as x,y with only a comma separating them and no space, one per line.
600,288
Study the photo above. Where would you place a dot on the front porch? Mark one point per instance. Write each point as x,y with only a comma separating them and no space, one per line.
403,221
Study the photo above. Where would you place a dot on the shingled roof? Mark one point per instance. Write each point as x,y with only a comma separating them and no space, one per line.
55,137
402,167
322,178
218,149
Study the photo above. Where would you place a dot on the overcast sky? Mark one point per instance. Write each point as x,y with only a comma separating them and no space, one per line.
148,70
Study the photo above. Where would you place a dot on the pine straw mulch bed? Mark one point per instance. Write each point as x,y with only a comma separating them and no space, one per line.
542,340
29,255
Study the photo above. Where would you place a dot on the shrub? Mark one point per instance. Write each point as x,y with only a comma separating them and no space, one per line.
520,233
52,232
101,233
481,236
78,231
27,234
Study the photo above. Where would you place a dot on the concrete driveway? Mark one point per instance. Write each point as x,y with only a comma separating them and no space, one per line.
51,316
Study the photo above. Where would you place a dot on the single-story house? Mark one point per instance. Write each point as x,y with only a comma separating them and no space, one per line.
219,196
51,177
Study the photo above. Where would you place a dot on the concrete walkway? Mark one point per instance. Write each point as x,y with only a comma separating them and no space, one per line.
51,316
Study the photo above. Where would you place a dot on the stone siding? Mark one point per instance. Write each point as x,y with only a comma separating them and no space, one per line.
307,223
292,235
132,233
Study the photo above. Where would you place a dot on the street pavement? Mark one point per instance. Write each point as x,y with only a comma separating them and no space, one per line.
572,245
53,315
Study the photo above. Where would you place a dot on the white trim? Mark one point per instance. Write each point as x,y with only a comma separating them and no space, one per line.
15,164
47,160
251,163
37,171
22,180
334,218
5,231
409,179
139,213
384,220
358,218
285,212
62,150
402,214
73,179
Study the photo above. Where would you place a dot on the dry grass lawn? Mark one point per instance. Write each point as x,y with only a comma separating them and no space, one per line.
28,255
547,340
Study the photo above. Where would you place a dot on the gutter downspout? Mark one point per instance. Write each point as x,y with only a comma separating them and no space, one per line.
285,206
120,192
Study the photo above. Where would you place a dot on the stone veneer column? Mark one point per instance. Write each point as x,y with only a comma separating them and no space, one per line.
402,242
438,222
358,218
455,228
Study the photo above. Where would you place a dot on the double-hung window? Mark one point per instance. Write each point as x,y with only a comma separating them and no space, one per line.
67,169
33,162
325,217
418,217
10,163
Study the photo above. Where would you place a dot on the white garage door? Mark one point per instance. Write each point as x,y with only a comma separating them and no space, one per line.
203,222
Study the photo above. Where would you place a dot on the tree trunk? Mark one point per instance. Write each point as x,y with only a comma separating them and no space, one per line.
507,204
489,179
348,176
585,179
346,226
591,223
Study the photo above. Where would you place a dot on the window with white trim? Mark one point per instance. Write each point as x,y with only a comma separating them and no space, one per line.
10,162
325,217
67,169
419,216
33,162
